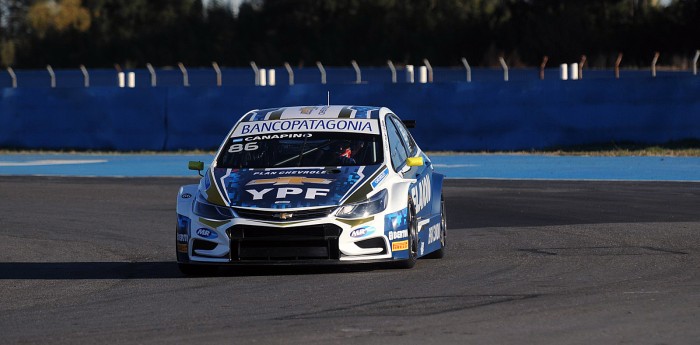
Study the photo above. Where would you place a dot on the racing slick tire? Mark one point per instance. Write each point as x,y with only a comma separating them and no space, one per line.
412,238
196,270
440,253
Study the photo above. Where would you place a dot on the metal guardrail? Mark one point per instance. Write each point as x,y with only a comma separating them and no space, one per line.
354,73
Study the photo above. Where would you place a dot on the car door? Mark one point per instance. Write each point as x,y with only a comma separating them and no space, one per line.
421,191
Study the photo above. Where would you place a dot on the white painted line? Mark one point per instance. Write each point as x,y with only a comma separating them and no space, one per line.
52,162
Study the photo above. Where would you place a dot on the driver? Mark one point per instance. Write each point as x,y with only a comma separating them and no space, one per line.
349,153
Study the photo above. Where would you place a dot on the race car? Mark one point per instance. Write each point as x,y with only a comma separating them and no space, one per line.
313,185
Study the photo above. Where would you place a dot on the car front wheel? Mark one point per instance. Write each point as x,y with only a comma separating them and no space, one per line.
412,238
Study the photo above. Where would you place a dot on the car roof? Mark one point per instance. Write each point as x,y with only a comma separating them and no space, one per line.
314,112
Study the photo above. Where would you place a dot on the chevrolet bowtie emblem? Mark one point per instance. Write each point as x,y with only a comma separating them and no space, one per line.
283,216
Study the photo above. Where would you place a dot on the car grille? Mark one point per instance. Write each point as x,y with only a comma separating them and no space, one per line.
276,216
317,242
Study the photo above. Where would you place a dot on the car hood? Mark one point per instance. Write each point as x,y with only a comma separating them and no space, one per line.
289,187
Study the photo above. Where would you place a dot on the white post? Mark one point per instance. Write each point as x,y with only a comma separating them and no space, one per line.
695,62
271,77
86,76
153,74
217,70
563,71
290,72
13,77
409,74
131,79
52,75
256,71
185,76
393,71
423,74
505,68
573,71
263,77
617,65
653,64
468,68
120,77
322,70
358,73
430,70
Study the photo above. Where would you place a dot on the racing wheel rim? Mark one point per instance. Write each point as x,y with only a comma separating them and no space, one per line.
412,232
443,223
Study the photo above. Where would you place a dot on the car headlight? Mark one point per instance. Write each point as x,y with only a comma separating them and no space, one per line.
204,209
375,204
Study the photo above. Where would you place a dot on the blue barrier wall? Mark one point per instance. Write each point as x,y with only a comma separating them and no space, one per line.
513,115
94,118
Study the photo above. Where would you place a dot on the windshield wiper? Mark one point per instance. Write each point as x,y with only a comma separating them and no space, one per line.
314,149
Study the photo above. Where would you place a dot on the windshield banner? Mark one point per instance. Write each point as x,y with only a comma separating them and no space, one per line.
366,126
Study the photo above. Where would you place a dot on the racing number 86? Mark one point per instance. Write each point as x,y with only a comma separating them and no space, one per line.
240,147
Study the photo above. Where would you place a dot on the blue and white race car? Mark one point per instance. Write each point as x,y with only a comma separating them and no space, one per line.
316,184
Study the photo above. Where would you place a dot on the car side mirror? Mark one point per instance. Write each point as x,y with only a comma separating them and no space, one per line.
414,161
195,165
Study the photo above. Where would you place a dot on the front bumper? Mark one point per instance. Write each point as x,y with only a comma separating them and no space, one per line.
323,241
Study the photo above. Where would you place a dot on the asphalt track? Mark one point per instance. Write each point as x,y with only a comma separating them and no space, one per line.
549,262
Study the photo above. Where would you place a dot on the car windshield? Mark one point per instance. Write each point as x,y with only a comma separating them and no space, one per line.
301,150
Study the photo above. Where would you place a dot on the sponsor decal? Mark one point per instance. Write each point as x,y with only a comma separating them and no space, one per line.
398,246
182,238
293,180
422,247
377,180
186,195
183,226
206,233
395,235
421,193
277,136
307,110
362,232
434,233
282,193
397,220
307,125
290,172
237,140
182,247
207,182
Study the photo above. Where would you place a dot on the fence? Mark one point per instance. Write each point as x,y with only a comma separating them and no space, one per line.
216,76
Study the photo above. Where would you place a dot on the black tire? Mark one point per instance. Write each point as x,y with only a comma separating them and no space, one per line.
197,270
440,253
412,238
